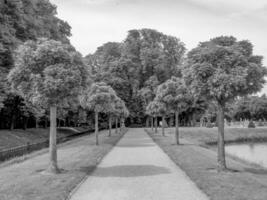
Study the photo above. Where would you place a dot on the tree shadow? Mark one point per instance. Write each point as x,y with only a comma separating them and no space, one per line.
259,171
136,142
133,145
256,171
129,171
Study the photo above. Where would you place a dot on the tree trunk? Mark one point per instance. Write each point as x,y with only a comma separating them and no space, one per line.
53,168
193,119
120,125
221,150
110,125
152,123
156,124
163,125
177,127
68,121
45,123
147,122
96,128
116,124
12,122
123,123
25,124
36,123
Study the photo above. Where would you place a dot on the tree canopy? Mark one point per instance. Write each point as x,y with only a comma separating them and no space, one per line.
48,72
99,98
222,69
23,20
137,65
174,94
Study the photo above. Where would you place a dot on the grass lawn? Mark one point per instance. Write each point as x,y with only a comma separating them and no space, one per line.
25,180
242,182
18,137
204,135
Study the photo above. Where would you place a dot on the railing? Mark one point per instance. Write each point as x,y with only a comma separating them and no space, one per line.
7,154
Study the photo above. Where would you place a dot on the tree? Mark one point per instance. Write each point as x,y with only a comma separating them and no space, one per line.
23,20
240,108
258,107
155,109
145,55
120,111
148,92
173,93
48,72
221,70
99,98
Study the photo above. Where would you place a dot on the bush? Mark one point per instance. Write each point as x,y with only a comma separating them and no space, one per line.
251,124
260,123
209,125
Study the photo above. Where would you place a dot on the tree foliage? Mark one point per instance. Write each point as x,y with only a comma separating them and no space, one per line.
156,108
221,70
174,94
48,72
224,68
136,66
22,20
99,98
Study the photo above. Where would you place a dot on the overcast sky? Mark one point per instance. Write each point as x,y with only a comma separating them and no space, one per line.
95,22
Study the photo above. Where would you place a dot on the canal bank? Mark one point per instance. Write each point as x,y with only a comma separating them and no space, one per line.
252,153
242,181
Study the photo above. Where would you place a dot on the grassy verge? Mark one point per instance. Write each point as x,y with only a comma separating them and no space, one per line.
242,182
18,137
208,136
25,180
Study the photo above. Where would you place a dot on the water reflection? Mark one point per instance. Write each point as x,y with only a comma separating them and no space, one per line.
255,153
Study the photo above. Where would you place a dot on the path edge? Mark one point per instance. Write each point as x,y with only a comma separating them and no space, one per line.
194,183
71,193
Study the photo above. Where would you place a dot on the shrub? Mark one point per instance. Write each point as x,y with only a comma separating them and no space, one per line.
209,125
251,124
260,123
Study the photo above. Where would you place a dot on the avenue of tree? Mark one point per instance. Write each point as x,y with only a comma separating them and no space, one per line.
147,78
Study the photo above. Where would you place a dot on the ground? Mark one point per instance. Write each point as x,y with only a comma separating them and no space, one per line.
25,179
199,161
137,169
18,137
204,136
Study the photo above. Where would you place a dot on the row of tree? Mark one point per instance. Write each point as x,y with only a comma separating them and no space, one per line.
136,66
22,20
42,75
249,107
50,75
217,72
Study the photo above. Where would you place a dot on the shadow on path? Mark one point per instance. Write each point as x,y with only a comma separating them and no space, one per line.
130,171
133,145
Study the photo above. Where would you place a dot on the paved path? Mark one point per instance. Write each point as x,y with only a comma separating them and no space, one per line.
137,169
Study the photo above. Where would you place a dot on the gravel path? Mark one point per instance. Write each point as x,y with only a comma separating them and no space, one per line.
137,169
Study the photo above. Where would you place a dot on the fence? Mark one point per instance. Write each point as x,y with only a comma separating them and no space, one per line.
30,147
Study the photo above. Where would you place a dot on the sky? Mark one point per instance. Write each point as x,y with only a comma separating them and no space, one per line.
95,22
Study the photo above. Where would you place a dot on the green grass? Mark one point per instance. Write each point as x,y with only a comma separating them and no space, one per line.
241,182
204,135
25,180
19,137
